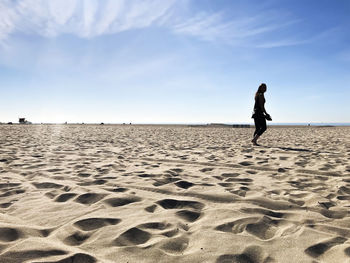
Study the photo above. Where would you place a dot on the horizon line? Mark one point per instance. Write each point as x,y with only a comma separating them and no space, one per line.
184,123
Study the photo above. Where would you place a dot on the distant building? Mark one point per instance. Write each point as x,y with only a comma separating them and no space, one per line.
228,125
23,121
241,126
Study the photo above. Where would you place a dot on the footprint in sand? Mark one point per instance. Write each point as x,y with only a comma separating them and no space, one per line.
54,170
121,201
246,163
243,181
84,175
262,212
320,248
229,175
343,190
333,214
175,245
95,223
240,192
171,233
151,208
179,204
9,185
78,257
252,254
347,251
184,184
65,197
26,255
251,172
133,236
177,170
6,205
155,225
207,169
9,234
187,215
264,229
143,175
164,181
237,226
51,194
94,182
226,184
76,239
89,198
343,197
117,190
46,185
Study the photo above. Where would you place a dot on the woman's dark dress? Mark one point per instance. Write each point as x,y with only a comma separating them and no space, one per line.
259,117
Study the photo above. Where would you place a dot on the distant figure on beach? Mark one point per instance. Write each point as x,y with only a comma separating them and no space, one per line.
260,115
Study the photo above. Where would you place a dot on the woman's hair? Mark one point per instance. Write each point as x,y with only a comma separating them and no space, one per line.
261,89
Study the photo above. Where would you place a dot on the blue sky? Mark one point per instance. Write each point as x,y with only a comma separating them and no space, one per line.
174,61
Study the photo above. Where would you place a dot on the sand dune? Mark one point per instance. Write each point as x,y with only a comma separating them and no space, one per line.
85,193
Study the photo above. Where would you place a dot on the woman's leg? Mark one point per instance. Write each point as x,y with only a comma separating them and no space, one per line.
255,139
257,126
260,127
257,129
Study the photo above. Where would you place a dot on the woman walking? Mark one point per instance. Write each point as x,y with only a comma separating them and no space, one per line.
260,115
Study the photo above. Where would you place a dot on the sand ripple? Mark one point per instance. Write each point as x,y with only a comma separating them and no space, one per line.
90,193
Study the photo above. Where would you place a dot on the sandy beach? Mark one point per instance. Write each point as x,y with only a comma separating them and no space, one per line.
114,193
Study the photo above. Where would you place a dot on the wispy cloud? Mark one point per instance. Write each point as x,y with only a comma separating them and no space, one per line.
282,43
7,19
92,18
327,35
85,18
237,31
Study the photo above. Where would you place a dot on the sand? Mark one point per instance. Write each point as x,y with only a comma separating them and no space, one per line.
109,193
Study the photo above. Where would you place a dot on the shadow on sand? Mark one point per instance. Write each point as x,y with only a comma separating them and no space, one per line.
293,149
297,149
287,148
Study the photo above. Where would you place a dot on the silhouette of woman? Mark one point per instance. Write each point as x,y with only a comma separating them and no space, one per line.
260,115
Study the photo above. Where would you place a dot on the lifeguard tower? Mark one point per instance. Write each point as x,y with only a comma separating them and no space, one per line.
22,121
